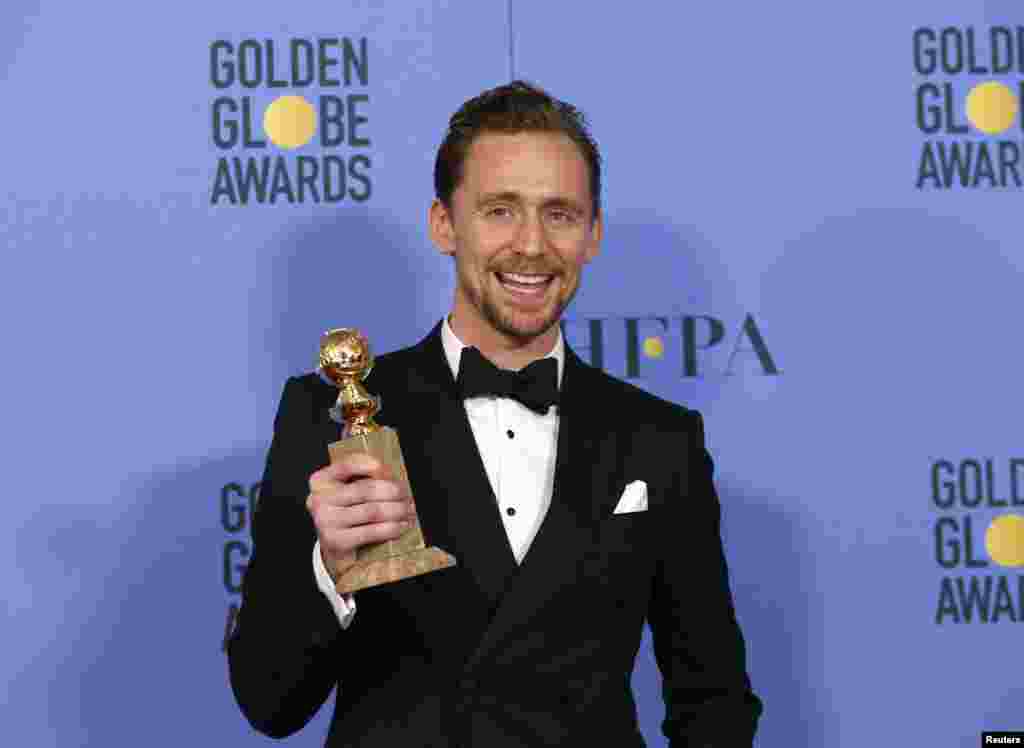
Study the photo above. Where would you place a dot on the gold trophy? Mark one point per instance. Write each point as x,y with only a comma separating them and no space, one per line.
345,360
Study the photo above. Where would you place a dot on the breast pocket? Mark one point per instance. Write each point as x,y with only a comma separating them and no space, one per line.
620,532
622,548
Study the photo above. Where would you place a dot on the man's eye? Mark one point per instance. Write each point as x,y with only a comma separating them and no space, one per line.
562,216
499,211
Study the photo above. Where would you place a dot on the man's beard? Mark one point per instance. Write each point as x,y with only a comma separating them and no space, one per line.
506,323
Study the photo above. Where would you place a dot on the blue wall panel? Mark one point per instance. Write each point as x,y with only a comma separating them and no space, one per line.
763,186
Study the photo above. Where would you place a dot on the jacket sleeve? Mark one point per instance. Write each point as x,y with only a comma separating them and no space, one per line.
283,653
698,645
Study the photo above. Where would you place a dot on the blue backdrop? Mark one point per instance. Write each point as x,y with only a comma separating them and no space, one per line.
812,236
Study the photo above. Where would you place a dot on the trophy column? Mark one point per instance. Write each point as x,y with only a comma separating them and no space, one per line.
345,360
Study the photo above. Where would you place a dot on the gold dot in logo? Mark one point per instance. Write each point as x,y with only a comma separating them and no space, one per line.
654,348
1004,540
289,121
991,107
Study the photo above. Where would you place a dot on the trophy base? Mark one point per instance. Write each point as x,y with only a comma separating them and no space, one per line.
391,569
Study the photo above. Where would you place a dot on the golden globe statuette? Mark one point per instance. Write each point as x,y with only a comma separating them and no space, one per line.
345,360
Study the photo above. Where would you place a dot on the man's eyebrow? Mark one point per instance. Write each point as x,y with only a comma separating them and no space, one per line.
513,197
565,203
505,197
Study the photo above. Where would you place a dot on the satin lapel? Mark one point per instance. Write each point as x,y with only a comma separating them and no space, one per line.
585,445
456,505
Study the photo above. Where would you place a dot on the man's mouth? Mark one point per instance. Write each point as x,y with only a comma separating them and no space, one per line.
530,284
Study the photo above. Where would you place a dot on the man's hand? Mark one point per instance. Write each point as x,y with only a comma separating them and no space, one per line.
354,502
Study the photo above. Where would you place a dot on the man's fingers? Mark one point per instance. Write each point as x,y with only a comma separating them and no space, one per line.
333,522
344,541
350,466
377,511
355,501
365,490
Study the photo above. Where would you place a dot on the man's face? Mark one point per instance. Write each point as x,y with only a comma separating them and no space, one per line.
521,227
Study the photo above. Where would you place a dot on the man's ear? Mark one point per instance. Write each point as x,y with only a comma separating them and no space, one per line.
442,232
594,243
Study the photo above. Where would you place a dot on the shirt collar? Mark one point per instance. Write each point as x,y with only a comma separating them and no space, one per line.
453,350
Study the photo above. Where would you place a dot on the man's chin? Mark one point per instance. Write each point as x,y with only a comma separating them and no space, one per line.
524,329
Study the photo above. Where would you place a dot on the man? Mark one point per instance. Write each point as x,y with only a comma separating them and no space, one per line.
530,639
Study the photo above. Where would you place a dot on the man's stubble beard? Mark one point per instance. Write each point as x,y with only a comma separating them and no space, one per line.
492,312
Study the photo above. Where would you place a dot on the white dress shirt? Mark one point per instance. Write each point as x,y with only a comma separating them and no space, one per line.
518,448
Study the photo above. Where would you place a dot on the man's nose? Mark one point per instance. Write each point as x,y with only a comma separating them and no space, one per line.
531,236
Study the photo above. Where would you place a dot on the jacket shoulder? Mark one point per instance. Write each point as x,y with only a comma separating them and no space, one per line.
643,405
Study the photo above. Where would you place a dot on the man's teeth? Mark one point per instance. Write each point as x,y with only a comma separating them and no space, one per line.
526,279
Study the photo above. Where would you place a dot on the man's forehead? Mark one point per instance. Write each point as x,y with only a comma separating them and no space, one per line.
494,141
493,155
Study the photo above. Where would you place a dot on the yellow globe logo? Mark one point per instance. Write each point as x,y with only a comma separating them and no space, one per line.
653,347
1004,540
289,121
991,107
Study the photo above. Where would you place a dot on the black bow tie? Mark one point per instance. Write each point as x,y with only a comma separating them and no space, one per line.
536,386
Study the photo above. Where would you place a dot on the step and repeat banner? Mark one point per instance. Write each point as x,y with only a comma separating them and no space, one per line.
812,236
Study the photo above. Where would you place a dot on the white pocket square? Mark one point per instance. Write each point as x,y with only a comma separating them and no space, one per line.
633,499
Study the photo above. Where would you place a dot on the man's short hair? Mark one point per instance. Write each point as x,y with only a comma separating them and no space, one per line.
515,107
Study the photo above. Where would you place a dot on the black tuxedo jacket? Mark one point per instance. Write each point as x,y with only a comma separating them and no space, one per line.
491,653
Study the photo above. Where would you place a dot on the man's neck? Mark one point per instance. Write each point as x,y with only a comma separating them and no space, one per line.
503,351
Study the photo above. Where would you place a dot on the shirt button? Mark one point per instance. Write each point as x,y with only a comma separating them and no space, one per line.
510,433
511,512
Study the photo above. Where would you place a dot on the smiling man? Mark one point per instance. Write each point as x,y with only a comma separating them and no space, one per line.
520,223
572,528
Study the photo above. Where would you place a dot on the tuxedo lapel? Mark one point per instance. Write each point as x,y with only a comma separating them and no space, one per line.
572,506
455,503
